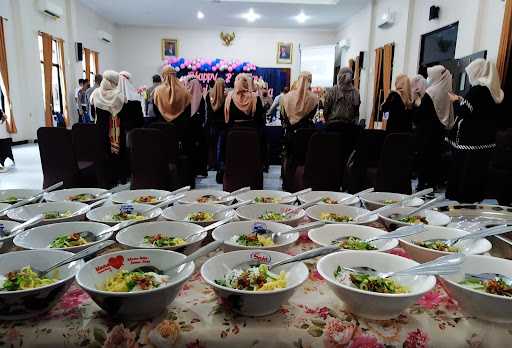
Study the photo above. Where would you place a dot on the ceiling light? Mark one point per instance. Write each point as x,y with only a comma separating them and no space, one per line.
293,2
301,17
251,16
200,15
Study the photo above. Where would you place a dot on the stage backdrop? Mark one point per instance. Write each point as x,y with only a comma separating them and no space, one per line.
206,70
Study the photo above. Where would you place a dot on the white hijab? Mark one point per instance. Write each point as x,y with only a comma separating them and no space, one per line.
129,92
481,72
440,86
108,96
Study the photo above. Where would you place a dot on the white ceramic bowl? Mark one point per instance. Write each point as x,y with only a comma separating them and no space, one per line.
66,194
253,303
139,305
19,194
433,217
337,196
255,211
133,236
314,213
6,241
480,304
104,214
130,196
18,305
368,304
375,200
27,212
192,196
41,237
324,235
421,254
280,196
180,212
226,232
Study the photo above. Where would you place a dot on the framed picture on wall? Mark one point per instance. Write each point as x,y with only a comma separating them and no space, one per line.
284,52
169,48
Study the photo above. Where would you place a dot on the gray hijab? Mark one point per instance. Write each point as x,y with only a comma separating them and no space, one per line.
345,88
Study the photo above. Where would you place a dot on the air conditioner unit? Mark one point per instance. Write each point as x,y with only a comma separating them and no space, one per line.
104,36
386,20
51,9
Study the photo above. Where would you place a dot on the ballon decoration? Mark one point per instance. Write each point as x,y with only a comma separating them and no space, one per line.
209,65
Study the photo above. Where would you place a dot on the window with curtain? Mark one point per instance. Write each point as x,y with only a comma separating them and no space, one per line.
57,77
5,101
89,64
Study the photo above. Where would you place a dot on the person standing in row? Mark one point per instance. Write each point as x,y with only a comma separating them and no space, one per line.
397,107
473,137
151,115
342,101
428,132
440,87
196,128
83,103
276,106
215,100
90,107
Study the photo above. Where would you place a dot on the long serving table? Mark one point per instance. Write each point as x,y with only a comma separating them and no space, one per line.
314,317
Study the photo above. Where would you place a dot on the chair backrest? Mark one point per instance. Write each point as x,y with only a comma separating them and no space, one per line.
149,159
57,157
323,168
394,173
300,144
88,143
502,156
243,165
366,155
171,138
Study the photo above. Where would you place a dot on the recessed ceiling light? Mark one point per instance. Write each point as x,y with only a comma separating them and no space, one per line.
200,15
302,17
251,16
295,2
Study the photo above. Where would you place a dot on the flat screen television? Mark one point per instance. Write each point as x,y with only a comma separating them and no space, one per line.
439,45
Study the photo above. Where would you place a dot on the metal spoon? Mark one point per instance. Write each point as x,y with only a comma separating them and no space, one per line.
207,228
301,207
86,209
232,207
296,194
108,193
79,255
356,195
398,233
443,265
21,227
227,197
420,208
170,194
31,199
276,236
493,231
198,253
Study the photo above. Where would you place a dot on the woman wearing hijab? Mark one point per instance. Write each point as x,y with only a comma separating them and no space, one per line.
429,134
439,88
299,106
243,107
473,137
215,109
108,102
342,101
397,107
172,100
196,133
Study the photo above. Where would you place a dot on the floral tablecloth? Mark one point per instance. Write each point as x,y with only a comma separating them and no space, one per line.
314,317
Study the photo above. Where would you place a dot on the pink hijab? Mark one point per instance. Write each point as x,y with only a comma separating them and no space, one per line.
196,90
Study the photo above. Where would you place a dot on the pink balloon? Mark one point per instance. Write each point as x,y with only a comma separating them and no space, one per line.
182,66
194,68
198,65
214,68
230,69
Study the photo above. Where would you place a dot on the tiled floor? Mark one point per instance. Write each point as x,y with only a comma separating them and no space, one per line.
28,174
